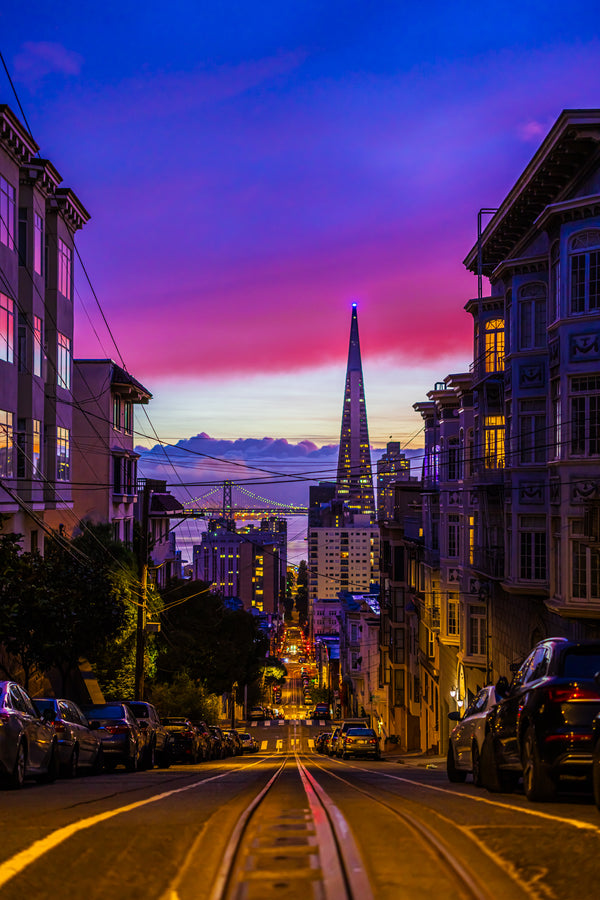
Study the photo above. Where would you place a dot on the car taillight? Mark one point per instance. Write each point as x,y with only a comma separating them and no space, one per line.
59,726
116,729
570,692
372,741
349,740
187,733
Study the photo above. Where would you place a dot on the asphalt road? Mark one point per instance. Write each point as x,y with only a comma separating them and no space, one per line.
164,834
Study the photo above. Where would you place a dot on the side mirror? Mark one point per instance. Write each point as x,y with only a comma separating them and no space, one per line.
454,716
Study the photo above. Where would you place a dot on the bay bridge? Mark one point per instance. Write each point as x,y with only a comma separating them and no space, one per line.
237,502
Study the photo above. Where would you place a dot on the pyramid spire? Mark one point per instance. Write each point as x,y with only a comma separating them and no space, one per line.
354,477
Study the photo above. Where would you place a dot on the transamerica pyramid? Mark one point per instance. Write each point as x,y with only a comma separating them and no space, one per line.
354,476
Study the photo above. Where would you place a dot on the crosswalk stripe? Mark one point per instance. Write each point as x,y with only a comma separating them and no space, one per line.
264,745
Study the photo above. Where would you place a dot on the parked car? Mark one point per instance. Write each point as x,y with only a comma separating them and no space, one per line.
28,742
333,741
543,727
321,711
344,726
256,713
79,746
207,740
466,738
359,742
123,741
158,747
249,744
321,741
186,740
221,744
234,739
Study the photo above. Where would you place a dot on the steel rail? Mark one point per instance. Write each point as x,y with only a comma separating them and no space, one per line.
342,873
432,841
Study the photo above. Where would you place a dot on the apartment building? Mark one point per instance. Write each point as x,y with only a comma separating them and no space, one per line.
38,222
509,551
342,558
104,461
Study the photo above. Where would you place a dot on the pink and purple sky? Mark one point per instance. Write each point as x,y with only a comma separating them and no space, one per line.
251,169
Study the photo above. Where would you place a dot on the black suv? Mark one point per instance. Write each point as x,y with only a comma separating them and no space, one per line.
542,726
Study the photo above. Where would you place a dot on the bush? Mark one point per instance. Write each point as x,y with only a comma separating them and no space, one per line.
186,697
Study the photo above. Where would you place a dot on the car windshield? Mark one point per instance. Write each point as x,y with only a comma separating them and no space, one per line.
105,712
581,664
244,737
140,710
361,732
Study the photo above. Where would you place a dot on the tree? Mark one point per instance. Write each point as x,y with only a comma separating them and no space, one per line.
290,588
214,645
20,582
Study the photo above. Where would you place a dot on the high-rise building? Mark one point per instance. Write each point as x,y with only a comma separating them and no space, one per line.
354,476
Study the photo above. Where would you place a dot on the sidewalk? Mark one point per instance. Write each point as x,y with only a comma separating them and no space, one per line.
415,759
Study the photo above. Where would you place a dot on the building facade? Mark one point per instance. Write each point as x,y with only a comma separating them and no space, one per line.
38,223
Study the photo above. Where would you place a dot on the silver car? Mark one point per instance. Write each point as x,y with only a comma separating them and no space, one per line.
466,739
28,743
78,746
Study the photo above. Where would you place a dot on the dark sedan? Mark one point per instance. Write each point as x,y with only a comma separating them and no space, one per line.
123,741
28,744
158,739
186,739
78,745
542,728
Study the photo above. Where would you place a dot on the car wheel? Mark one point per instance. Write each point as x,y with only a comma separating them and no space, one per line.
132,764
455,775
53,767
98,766
493,778
538,784
476,764
15,780
73,765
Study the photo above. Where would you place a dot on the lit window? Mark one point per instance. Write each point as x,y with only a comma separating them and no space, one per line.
7,328
63,454
494,345
6,444
493,436
36,450
63,362
37,346
7,214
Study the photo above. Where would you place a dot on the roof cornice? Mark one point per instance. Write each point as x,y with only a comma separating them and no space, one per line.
571,143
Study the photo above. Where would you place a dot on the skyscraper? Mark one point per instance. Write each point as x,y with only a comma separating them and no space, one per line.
354,477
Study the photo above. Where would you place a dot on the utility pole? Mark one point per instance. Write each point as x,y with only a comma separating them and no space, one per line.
140,645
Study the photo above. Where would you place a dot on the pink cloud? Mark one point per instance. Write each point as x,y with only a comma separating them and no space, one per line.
38,59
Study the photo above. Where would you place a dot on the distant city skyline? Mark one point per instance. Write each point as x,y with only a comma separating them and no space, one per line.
252,171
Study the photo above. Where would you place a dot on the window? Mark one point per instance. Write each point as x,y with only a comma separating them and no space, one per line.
36,449
38,243
6,444
116,405
477,636
532,548
493,439
494,345
63,454
127,417
585,566
453,459
532,317
7,328
585,415
22,343
585,272
555,280
65,257
453,535
556,420
37,346
63,365
453,614
22,245
7,214
532,430
117,470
